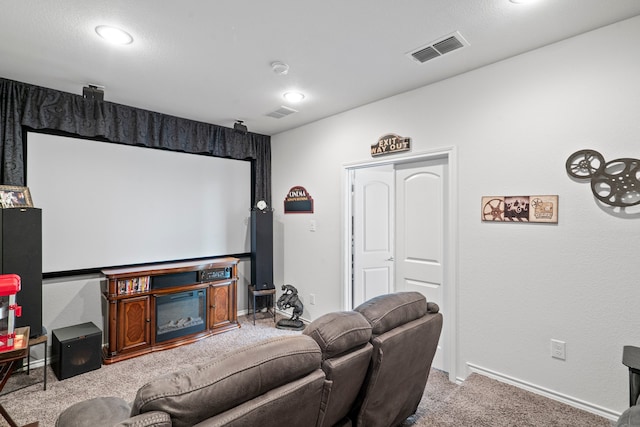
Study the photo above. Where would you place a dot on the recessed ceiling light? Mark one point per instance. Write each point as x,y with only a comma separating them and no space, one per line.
114,35
521,1
294,96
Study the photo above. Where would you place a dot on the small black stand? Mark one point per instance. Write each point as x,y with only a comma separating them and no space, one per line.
253,294
42,339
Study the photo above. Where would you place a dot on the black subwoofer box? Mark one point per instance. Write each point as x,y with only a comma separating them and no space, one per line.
76,350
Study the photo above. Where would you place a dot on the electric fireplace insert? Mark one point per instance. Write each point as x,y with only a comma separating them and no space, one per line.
180,314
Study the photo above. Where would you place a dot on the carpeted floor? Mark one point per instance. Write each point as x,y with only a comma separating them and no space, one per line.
479,401
483,402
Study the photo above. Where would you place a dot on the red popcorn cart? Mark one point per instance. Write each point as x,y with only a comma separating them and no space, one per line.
9,310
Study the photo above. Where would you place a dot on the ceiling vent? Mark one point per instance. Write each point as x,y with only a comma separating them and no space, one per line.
281,112
438,48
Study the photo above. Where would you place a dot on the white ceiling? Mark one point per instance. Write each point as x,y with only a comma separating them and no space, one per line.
209,60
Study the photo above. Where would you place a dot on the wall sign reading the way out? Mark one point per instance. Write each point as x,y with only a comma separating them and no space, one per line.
390,144
298,200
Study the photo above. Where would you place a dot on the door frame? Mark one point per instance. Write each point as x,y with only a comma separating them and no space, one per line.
450,241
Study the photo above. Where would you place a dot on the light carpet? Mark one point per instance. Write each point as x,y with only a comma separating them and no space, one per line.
479,401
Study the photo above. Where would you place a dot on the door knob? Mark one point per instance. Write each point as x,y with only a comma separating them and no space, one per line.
390,259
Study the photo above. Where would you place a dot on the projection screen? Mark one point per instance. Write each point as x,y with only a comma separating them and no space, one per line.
106,204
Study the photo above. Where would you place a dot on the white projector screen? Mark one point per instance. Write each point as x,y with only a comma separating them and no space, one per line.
106,205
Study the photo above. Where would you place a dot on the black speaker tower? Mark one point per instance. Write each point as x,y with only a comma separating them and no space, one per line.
262,249
21,254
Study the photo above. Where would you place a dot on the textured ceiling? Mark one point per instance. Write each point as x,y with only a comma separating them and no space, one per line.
210,60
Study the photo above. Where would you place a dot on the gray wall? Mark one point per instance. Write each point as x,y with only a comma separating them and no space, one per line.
513,125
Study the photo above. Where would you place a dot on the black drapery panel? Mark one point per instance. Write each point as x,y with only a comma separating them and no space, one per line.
40,108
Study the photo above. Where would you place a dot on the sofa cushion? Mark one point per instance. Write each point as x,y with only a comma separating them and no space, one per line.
106,411
386,312
202,391
339,332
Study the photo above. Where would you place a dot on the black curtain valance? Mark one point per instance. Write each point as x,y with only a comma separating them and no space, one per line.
41,108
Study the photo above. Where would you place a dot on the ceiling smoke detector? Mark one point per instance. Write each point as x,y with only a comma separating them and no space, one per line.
280,68
439,47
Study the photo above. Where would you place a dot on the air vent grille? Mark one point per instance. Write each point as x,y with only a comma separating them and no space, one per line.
438,48
423,55
448,45
281,112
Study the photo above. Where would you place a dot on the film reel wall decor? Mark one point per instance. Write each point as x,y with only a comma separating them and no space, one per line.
614,183
520,208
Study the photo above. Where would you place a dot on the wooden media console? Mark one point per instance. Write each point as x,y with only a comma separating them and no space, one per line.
161,306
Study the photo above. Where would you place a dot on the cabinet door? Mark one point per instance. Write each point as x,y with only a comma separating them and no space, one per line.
221,305
134,323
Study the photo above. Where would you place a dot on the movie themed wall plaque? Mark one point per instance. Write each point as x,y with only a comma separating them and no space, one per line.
520,208
298,200
390,144
614,183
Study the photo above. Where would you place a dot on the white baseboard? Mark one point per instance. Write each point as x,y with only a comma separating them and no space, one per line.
551,394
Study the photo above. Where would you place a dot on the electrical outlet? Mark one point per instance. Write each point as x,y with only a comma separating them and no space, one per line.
312,299
312,225
558,349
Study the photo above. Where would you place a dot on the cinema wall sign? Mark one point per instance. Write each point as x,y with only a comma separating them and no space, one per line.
298,200
390,144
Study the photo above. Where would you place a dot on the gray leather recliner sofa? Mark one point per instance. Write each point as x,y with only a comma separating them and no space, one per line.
343,338
630,417
333,374
405,334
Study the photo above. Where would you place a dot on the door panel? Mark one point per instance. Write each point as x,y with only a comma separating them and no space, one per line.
376,282
373,271
419,234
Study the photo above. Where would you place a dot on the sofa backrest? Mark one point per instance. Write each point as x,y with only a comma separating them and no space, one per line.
297,403
386,312
343,338
405,337
230,380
